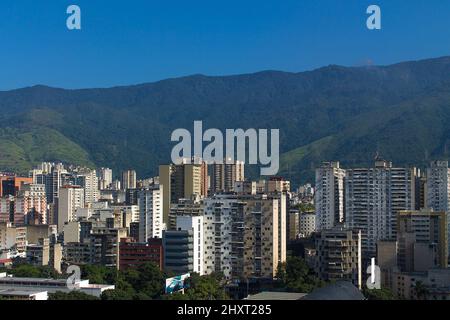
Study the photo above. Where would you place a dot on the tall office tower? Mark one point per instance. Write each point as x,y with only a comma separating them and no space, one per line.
339,255
224,175
373,198
264,242
429,234
180,181
329,195
88,180
196,225
224,235
70,198
128,179
150,202
105,178
31,205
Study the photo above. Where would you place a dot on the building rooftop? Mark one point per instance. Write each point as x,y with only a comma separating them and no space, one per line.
19,292
341,290
269,295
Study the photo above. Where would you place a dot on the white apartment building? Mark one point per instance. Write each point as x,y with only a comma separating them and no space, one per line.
89,181
194,223
70,198
105,178
150,202
373,198
224,228
438,188
329,195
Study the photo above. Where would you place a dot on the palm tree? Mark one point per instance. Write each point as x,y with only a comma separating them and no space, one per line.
420,290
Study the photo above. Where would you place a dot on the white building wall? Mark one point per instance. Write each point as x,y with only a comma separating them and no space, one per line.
196,224
150,213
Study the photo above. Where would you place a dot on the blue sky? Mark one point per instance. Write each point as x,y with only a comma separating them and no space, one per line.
129,42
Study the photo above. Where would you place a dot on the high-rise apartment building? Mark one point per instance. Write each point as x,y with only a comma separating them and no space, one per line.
180,181
429,233
338,255
30,206
128,179
88,180
307,222
104,244
70,198
264,235
329,195
13,240
294,224
224,175
150,202
438,188
194,224
373,198
224,235
105,178
185,207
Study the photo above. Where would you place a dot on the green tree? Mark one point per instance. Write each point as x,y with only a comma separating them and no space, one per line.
31,271
379,294
295,275
207,287
150,281
117,294
99,274
420,290
72,295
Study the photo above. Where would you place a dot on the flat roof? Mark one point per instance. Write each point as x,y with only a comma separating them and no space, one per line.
275,295
19,292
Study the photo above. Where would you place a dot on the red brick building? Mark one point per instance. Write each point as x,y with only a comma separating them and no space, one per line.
133,254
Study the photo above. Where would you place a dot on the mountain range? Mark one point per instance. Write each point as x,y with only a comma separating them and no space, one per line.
350,114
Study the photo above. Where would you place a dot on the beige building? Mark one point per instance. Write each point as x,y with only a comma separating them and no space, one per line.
128,179
180,182
70,198
278,184
13,241
224,175
429,229
329,195
339,255
264,235
435,281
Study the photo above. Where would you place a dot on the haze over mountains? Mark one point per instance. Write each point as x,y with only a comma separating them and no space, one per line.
401,111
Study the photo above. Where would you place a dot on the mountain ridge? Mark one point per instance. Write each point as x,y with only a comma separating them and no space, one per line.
363,110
